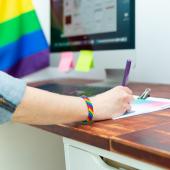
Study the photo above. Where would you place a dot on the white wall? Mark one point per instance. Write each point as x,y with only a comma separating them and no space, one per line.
26,148
153,41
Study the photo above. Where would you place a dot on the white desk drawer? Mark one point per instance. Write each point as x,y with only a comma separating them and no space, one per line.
80,156
82,160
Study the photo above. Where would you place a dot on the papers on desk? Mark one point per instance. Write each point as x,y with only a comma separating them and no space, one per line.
141,106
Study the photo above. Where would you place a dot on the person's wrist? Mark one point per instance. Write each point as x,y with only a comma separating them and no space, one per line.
90,110
100,108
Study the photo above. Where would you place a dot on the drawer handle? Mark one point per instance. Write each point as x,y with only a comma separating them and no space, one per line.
116,164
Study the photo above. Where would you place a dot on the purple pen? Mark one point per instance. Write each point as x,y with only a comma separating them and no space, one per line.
126,73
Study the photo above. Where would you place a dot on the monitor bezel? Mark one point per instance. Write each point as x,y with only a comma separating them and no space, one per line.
128,45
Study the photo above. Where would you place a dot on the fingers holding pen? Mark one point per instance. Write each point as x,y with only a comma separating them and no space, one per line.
127,94
127,90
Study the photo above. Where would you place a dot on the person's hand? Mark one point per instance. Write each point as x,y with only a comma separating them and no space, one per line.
112,103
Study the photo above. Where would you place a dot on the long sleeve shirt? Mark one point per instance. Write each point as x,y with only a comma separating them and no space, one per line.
11,94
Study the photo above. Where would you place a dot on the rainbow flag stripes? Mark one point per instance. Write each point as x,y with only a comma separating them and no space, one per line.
23,47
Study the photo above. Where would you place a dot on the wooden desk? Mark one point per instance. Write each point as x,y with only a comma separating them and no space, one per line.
144,137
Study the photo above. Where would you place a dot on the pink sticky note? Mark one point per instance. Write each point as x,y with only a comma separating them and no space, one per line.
66,61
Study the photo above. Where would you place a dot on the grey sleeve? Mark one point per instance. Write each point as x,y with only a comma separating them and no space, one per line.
11,93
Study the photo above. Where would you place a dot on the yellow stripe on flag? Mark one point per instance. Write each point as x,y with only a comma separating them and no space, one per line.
12,8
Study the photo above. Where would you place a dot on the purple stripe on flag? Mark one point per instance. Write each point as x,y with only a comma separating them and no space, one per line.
30,64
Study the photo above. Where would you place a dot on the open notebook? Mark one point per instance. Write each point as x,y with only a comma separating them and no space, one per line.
141,106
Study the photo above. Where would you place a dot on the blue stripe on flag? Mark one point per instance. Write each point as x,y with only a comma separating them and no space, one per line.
26,46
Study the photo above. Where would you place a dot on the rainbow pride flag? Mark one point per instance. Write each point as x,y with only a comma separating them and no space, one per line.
23,47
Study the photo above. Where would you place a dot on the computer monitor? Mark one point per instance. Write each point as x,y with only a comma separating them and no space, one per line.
105,26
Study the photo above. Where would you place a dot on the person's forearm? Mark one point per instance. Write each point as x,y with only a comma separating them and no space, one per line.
33,106
41,107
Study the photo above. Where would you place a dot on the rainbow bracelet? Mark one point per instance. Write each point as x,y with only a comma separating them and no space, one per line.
90,110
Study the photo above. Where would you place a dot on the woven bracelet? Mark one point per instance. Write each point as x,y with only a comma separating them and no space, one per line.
90,110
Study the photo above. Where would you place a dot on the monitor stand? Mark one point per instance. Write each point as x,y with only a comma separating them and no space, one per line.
114,78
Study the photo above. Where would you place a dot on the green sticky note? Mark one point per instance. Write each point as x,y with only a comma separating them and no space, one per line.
85,61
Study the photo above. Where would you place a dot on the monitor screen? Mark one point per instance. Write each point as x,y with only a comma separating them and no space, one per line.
92,24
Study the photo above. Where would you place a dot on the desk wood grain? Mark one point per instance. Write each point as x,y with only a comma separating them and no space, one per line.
143,137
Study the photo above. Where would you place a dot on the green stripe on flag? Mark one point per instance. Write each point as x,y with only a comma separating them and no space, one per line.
13,29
